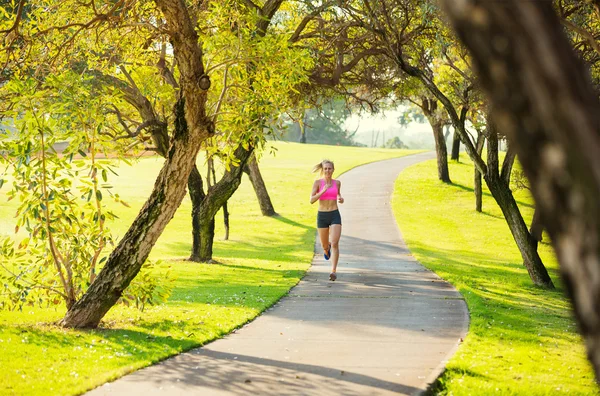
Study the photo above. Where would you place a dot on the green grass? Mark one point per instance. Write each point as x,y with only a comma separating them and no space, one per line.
522,339
263,259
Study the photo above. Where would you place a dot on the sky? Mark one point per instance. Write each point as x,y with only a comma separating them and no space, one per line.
386,125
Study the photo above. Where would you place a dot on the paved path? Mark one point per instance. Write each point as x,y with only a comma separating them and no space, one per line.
386,326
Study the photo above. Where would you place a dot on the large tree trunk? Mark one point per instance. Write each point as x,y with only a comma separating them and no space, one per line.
128,257
477,188
264,200
543,100
503,195
455,146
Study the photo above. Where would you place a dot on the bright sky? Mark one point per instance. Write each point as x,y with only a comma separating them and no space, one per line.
387,125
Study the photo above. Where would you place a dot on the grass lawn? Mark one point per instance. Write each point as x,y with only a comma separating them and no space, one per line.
261,261
522,339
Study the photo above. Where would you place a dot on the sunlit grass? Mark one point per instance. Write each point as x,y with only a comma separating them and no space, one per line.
522,339
263,259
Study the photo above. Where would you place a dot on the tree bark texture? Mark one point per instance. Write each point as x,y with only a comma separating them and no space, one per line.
543,100
128,257
429,107
455,147
264,200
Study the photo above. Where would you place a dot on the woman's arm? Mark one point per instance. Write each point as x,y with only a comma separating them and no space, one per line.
315,194
340,198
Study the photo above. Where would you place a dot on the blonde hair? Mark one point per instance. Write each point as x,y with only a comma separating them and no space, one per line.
319,166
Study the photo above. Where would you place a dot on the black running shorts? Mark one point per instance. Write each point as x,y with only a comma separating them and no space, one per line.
325,219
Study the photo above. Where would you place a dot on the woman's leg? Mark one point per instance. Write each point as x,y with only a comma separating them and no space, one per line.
336,233
324,237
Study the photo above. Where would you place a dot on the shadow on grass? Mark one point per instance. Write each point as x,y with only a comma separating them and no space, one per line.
437,386
293,223
501,292
487,194
129,345
259,248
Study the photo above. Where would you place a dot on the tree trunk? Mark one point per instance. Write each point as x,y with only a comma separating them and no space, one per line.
207,237
477,189
429,107
503,195
542,96
191,130
441,153
524,240
264,200
226,221
455,146
507,165
197,195
537,228
302,126
215,198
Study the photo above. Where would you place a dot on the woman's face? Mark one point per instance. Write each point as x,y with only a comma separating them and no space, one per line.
328,169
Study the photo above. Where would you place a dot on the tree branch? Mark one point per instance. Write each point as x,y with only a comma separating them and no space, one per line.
15,26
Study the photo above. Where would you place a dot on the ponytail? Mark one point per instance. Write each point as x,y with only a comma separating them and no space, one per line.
319,166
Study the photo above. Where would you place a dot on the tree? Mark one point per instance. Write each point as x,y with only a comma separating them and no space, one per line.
404,41
193,127
437,120
557,141
264,200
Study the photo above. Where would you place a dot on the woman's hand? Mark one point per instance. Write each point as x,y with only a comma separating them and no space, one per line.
341,199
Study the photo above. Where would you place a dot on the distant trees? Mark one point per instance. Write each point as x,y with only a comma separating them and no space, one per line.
322,125
396,143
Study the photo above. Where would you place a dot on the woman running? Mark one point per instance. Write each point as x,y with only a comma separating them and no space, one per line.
329,222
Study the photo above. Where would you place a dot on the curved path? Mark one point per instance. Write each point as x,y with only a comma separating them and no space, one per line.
386,326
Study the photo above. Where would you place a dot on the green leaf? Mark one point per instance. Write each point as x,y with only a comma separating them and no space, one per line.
82,153
99,195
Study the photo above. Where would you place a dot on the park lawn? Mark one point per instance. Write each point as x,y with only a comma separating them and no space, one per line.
261,261
522,339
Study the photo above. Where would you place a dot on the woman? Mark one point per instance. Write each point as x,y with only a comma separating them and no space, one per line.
329,222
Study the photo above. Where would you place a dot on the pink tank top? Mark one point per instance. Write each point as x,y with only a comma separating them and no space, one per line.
331,193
